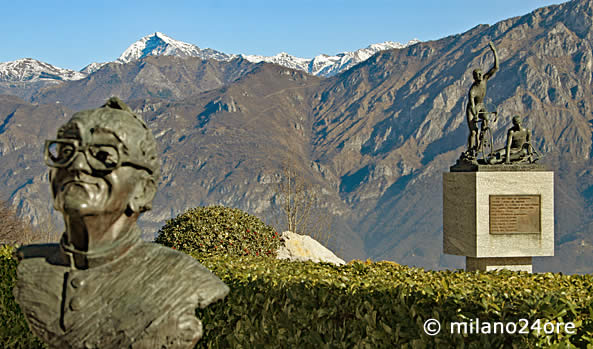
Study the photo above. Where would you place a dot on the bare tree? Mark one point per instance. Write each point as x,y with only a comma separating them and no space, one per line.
46,231
299,206
14,230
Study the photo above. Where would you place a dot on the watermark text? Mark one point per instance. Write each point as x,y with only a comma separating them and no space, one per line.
432,327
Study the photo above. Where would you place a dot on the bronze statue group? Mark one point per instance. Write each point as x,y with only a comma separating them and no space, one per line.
518,148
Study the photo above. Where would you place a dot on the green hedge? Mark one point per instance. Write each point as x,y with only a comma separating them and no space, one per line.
282,304
384,305
14,332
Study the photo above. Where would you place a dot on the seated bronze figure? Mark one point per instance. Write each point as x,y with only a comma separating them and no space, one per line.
518,147
102,286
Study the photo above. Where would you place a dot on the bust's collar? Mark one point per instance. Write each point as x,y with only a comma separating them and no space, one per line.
94,258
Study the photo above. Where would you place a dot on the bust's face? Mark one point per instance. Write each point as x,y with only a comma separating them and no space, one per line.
85,187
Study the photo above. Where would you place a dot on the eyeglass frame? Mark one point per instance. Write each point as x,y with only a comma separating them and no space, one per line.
85,150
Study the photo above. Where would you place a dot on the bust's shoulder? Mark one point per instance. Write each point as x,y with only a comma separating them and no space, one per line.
36,251
40,257
176,268
156,253
40,280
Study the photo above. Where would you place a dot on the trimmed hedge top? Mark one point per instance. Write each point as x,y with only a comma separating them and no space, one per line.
284,304
219,230
384,305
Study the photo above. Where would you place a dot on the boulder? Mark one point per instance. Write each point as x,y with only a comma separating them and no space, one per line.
304,248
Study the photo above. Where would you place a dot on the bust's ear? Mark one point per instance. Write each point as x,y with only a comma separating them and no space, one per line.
144,192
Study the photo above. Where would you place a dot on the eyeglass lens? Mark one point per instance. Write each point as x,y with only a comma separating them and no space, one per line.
99,156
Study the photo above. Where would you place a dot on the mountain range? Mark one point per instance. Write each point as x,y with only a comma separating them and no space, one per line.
374,139
25,77
159,44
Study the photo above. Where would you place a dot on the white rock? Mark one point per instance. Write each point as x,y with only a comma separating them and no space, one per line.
304,248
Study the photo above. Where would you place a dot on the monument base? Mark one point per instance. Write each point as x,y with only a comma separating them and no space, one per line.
494,263
492,214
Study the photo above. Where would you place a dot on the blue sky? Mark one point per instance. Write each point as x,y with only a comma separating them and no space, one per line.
72,34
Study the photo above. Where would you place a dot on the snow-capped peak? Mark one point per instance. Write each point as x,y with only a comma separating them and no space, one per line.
326,65
388,45
284,59
159,44
29,69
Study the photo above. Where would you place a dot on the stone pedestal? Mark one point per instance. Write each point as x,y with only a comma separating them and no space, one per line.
493,263
498,216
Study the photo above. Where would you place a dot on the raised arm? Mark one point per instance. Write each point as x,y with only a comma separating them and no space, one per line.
494,69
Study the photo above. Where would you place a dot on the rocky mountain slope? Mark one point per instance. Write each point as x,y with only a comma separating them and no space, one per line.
375,139
154,76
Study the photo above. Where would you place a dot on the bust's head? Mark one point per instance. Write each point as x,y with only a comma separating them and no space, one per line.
103,162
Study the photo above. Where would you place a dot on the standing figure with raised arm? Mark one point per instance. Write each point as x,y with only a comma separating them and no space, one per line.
475,104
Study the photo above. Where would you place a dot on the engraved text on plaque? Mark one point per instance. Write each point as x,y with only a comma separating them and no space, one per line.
515,214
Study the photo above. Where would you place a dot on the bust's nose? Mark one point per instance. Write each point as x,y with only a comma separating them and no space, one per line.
80,163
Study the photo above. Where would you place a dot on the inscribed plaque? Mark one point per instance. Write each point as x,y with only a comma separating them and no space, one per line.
515,214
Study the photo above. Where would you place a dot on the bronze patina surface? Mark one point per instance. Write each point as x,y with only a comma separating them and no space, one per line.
475,104
518,147
102,286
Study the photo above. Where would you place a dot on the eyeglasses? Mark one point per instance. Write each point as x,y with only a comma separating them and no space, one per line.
100,157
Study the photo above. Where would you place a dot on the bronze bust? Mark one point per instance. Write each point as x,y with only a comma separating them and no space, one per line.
102,286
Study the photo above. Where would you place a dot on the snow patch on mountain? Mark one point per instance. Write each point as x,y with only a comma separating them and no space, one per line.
30,70
91,68
283,59
326,65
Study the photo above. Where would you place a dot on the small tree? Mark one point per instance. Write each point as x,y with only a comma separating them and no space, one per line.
12,229
15,230
46,231
298,206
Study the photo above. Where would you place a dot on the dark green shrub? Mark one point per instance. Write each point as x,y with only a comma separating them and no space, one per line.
219,230
14,331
